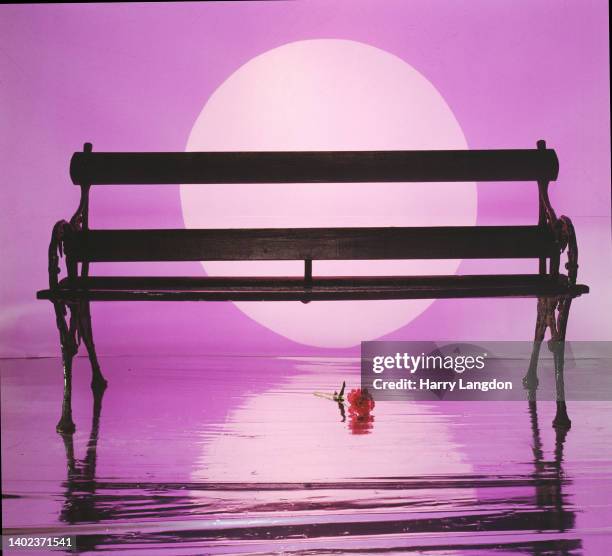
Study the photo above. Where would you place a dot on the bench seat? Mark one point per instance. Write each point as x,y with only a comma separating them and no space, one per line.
321,288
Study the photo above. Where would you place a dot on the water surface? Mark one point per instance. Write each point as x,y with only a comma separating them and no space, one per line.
237,455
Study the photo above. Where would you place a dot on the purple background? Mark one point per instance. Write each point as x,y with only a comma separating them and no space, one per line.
135,77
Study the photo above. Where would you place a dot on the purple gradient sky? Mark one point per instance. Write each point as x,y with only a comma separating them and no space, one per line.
135,77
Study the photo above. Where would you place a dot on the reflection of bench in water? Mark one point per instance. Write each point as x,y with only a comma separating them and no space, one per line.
523,505
82,246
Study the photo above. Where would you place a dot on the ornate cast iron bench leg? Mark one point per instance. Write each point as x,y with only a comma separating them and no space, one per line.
69,345
79,326
547,307
557,344
98,382
565,237
547,318
530,380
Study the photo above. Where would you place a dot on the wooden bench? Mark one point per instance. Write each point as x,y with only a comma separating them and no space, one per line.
81,245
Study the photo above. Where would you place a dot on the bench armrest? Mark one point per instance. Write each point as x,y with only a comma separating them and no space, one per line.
60,233
567,239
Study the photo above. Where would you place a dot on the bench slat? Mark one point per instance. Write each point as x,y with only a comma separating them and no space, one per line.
99,168
313,243
324,288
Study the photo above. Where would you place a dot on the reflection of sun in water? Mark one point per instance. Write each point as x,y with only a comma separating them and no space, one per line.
328,95
291,435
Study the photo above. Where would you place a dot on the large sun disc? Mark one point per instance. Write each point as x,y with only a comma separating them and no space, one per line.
328,94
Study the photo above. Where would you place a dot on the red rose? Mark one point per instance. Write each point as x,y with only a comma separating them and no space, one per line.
360,402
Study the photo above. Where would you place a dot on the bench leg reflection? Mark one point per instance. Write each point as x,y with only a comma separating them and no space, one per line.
81,503
549,478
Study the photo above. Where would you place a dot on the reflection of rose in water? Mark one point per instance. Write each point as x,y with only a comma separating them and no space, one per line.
361,405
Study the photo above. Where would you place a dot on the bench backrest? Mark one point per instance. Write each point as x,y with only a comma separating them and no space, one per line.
99,168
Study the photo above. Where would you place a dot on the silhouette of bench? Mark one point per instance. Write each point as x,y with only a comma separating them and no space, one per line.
81,245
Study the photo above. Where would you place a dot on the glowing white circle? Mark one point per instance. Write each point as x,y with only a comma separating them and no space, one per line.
328,94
